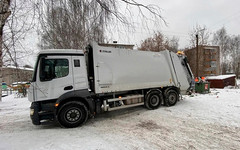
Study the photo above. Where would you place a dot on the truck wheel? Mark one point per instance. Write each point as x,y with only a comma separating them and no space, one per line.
153,99
171,97
72,114
35,116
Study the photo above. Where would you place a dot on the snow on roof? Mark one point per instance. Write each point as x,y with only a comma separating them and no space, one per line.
15,83
22,68
220,77
64,51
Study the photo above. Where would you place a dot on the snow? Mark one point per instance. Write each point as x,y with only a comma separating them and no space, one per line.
22,68
201,121
238,82
220,77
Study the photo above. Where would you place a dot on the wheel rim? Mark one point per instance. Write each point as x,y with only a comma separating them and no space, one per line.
154,101
73,115
172,98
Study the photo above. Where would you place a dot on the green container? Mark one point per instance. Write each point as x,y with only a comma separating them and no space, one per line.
202,87
4,86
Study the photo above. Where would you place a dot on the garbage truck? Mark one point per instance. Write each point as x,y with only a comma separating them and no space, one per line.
69,86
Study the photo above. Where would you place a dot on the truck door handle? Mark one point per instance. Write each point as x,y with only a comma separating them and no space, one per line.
68,88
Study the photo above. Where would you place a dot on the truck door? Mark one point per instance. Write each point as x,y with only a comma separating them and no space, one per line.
105,74
54,77
79,73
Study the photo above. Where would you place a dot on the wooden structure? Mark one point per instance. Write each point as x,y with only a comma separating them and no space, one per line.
222,81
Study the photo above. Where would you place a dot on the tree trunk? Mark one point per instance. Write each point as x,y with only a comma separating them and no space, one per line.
1,73
4,13
238,70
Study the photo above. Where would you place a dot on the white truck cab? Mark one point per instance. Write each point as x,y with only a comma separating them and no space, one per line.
58,72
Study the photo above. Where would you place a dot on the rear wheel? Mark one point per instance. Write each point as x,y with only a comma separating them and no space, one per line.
153,99
171,97
72,114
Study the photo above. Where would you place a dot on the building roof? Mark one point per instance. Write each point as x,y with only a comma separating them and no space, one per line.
22,68
220,77
202,46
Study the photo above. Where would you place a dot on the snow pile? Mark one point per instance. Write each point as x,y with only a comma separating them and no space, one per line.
207,121
238,83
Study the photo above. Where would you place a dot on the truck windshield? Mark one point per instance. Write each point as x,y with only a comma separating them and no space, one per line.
53,68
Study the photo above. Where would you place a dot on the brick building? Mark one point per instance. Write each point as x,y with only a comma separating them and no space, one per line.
12,74
208,60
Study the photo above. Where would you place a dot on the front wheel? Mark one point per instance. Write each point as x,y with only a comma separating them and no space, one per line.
72,114
34,113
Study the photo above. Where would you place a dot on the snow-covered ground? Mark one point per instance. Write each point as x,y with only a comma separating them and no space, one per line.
207,121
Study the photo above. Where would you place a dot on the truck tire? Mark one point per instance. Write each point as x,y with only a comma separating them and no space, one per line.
171,97
72,114
153,99
35,116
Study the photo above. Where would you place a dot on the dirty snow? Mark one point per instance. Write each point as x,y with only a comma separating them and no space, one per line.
207,121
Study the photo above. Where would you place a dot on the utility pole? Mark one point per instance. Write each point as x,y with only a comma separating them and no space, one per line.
197,55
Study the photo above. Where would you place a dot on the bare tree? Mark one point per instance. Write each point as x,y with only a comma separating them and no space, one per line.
159,43
222,39
17,26
72,24
18,23
155,43
229,51
202,33
172,44
234,49
4,14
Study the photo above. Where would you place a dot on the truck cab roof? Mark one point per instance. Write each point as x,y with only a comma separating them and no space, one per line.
62,51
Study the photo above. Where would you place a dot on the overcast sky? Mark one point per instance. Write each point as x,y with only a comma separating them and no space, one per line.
183,15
